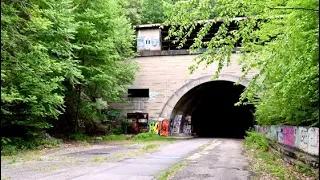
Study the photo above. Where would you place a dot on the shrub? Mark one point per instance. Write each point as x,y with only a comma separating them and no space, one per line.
8,149
78,137
256,140
151,137
117,130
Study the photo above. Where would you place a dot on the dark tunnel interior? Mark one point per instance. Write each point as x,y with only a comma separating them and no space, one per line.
212,110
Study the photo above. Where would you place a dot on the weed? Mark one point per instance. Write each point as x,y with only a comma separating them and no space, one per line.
9,150
98,159
15,145
85,143
151,137
78,137
267,162
114,137
12,161
134,153
256,141
150,147
303,169
6,178
172,170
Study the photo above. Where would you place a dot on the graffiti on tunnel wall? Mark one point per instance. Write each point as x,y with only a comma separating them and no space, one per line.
176,124
159,127
303,138
149,43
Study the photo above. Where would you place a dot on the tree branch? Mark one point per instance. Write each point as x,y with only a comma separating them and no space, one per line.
297,8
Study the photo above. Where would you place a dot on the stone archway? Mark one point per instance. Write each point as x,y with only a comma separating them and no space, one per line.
170,104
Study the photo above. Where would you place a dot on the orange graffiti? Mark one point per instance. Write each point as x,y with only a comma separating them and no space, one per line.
164,131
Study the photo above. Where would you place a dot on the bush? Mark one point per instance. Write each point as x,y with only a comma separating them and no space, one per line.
9,149
256,140
117,130
48,142
151,137
11,146
78,137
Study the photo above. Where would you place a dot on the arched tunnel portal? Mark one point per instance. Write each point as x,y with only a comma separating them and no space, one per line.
213,113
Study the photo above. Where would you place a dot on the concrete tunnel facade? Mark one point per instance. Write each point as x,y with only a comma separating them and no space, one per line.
207,109
170,91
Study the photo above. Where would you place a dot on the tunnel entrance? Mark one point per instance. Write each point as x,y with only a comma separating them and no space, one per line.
212,110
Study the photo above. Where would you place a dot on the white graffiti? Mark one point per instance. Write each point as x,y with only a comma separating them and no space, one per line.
303,138
152,95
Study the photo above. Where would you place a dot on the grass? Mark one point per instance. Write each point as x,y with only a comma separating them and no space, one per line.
98,159
6,178
114,138
173,170
269,164
151,137
133,153
15,154
150,147
15,146
121,137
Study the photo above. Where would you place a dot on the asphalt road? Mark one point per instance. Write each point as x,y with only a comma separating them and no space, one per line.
223,159
206,159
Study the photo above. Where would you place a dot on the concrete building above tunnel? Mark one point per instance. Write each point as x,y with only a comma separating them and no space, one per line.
164,89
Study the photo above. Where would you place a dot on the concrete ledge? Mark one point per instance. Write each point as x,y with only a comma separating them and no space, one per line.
294,155
182,138
145,53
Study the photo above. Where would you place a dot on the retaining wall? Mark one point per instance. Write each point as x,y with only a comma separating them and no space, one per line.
305,139
298,145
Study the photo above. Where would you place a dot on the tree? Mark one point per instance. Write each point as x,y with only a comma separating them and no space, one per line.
36,57
62,59
133,10
104,37
279,38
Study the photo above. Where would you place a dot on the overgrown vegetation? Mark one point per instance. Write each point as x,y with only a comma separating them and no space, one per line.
267,164
151,137
11,146
62,63
174,169
279,38
147,11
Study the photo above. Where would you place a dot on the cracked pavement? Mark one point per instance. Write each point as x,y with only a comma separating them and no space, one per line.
207,158
223,159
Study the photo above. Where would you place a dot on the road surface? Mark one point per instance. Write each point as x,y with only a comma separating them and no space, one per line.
218,159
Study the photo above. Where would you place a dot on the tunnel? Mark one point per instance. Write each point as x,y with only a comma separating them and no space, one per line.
212,110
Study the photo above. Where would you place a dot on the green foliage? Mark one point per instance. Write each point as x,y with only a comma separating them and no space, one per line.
279,39
9,150
12,146
64,60
256,140
151,137
105,39
33,65
147,11
113,114
114,137
133,10
78,137
117,130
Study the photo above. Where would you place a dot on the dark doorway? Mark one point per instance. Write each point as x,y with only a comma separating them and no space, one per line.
212,110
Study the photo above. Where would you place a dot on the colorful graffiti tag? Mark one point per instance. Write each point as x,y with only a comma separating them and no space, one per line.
303,138
154,127
159,127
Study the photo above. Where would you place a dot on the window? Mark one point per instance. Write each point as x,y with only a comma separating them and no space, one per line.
138,92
